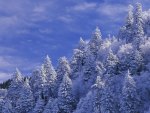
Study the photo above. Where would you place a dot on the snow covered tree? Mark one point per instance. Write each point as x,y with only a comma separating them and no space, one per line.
85,104
95,43
93,100
62,69
77,63
130,98
66,101
138,32
89,74
38,81
111,64
108,98
129,25
51,76
81,45
136,63
7,107
52,106
97,94
25,102
39,107
15,87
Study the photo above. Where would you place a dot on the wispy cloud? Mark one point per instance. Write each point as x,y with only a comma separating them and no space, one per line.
84,6
112,10
4,76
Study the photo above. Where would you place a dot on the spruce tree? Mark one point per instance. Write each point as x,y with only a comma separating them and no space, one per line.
51,76
7,107
66,101
130,98
39,107
38,82
62,69
95,43
138,32
25,102
82,44
129,25
15,88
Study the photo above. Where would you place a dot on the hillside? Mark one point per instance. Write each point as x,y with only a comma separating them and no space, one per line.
104,75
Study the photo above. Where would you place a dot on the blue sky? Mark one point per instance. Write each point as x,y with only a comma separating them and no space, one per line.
31,29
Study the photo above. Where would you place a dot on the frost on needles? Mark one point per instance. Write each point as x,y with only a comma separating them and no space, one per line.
104,75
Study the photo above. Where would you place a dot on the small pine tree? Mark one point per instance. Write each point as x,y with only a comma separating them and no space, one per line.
95,43
111,64
82,44
39,107
66,101
51,76
138,32
7,107
26,101
129,25
38,81
52,106
77,63
130,98
62,69
15,88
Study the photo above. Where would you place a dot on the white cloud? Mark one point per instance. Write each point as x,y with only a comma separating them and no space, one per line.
66,18
112,10
4,76
84,6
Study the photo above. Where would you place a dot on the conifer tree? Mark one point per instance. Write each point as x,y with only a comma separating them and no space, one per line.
7,107
39,107
130,98
77,63
51,76
62,69
138,32
25,102
111,63
82,44
38,82
51,106
129,25
66,101
95,43
15,87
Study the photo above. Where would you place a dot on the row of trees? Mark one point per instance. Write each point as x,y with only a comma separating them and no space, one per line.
103,76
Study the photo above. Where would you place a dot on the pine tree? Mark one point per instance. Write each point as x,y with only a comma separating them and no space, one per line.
136,63
25,102
122,33
81,45
7,107
129,25
62,69
66,101
39,107
52,106
38,81
111,64
97,95
85,105
138,32
95,43
51,77
15,87
77,63
108,98
130,98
